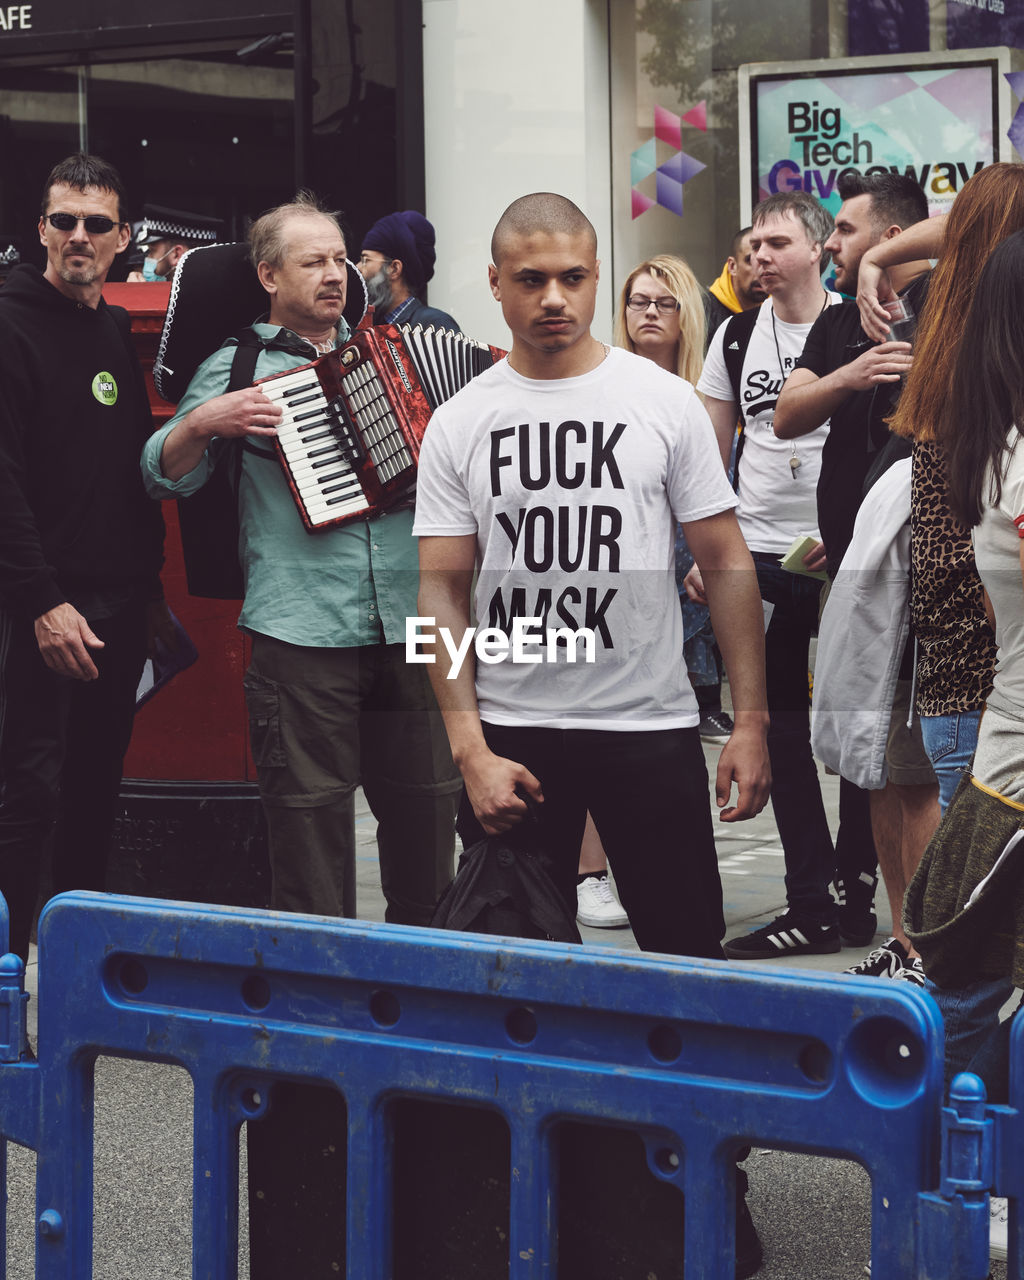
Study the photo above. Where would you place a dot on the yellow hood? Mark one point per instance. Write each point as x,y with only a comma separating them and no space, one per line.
722,289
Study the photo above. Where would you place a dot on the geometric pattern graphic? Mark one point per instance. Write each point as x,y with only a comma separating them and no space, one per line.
1015,79
672,174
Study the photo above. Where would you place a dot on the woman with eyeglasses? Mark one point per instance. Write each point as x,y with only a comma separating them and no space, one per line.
660,316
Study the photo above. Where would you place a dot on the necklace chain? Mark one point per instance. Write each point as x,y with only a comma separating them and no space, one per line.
775,335
794,458
794,461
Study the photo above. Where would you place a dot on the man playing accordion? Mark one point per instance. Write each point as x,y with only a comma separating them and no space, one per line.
332,703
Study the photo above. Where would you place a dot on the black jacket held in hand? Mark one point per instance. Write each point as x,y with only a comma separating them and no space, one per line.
74,414
503,887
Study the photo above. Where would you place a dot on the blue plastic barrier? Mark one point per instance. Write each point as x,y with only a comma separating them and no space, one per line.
699,1057
1003,1153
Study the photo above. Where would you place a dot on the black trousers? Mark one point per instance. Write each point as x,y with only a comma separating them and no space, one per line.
812,861
62,747
648,795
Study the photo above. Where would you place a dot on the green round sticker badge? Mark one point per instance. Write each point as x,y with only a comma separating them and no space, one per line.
104,388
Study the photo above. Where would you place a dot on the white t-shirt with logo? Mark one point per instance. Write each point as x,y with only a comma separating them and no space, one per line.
572,488
777,504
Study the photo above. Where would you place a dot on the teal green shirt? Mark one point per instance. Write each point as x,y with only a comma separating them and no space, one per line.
350,585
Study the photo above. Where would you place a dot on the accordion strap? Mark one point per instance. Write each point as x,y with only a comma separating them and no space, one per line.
243,369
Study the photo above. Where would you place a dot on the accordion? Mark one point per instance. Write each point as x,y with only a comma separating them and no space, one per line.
353,420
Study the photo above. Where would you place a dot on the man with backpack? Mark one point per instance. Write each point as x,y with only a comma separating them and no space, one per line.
748,360
332,702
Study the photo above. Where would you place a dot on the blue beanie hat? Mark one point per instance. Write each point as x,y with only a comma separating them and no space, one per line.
409,237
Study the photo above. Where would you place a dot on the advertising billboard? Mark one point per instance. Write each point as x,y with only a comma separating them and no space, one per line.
936,117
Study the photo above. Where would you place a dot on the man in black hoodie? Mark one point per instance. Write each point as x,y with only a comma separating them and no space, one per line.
80,544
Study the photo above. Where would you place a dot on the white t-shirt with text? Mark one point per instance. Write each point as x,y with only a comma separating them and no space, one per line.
777,503
572,488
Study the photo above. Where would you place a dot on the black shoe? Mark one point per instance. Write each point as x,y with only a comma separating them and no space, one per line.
858,924
787,936
886,961
716,726
749,1250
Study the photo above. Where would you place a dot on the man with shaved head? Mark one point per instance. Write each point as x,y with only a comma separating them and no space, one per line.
540,213
560,473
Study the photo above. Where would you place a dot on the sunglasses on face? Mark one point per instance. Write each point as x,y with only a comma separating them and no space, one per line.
95,223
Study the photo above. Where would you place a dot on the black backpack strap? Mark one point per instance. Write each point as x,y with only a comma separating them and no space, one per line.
208,519
738,332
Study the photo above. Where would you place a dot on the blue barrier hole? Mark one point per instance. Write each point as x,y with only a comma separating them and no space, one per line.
385,1008
132,975
256,992
253,1100
885,1059
667,1162
816,1062
665,1043
521,1025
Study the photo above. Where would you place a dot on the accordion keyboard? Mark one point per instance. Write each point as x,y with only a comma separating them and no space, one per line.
325,479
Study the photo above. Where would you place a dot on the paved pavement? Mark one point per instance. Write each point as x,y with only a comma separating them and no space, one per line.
813,1214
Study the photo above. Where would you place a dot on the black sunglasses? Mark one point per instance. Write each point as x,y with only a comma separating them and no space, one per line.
95,223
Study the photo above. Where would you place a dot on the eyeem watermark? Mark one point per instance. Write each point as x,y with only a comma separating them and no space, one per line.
529,641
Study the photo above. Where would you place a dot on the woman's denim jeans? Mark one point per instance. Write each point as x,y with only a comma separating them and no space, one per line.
950,741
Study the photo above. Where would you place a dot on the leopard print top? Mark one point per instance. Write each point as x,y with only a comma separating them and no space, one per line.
956,645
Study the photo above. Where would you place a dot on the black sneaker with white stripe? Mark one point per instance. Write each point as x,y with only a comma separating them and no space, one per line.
789,935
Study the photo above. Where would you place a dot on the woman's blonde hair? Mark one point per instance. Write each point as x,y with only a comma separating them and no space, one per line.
682,284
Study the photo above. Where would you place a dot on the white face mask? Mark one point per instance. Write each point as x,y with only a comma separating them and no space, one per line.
149,267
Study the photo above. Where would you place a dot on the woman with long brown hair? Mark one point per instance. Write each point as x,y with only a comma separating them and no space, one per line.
956,647
980,430
956,643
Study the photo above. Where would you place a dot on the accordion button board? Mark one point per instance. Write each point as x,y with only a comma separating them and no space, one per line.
349,440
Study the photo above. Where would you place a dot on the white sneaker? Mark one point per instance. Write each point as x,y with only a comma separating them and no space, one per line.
597,905
998,1222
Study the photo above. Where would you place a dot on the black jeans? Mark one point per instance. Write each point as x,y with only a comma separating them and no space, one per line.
62,747
648,795
796,790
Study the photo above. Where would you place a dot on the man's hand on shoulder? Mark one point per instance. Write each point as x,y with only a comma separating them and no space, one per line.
491,783
65,638
744,760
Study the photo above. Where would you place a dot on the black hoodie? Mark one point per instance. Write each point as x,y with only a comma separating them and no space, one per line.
74,415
